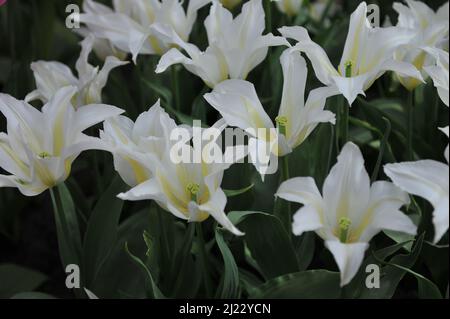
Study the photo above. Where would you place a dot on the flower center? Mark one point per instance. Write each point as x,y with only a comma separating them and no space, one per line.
348,69
44,155
282,122
193,189
344,226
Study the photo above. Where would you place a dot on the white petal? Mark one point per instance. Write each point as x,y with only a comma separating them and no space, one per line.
301,190
237,102
306,219
295,73
215,206
346,189
323,68
348,257
144,191
89,115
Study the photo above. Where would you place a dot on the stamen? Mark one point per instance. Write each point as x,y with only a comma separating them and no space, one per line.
282,122
193,189
348,69
344,225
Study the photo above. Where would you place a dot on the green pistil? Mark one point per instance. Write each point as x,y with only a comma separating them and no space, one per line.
282,122
44,155
344,226
193,189
348,69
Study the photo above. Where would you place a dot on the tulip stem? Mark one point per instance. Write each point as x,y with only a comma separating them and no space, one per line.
175,88
204,258
268,10
410,115
345,120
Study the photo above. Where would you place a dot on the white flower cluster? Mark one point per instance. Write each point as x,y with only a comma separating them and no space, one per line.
40,145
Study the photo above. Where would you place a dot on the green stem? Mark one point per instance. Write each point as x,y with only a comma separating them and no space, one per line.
383,146
410,116
204,258
268,10
345,119
175,88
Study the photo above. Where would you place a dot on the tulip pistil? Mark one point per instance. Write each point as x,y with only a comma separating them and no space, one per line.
193,189
44,155
344,225
348,69
282,122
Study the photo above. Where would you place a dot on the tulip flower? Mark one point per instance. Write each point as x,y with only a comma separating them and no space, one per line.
236,46
349,212
439,72
427,179
368,54
431,30
189,190
41,145
238,103
52,76
130,25
102,47
130,142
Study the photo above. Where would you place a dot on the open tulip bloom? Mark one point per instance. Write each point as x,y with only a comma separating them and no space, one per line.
130,143
41,145
431,30
236,46
130,26
349,212
427,179
368,54
52,76
190,191
239,105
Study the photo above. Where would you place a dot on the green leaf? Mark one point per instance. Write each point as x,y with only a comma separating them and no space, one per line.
101,233
153,290
268,242
67,228
229,286
232,193
311,284
427,289
16,279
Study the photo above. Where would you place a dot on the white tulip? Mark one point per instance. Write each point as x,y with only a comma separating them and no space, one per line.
367,55
349,212
131,143
190,191
427,179
52,76
130,26
238,103
236,46
41,145
439,72
431,30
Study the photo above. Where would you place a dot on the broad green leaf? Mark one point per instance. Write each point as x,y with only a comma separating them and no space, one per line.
229,286
101,233
268,242
153,290
311,284
67,228
16,279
